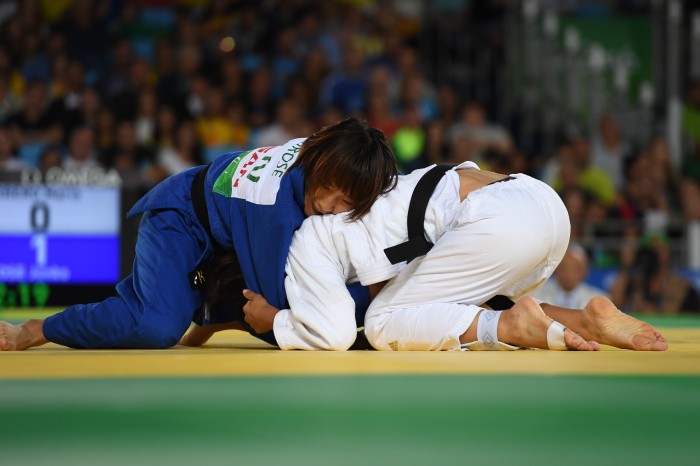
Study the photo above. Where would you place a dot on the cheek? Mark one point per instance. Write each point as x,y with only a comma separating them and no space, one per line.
346,206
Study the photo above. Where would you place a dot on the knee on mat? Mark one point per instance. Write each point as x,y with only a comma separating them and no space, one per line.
372,333
155,335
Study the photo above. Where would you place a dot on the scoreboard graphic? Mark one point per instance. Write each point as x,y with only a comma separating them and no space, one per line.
59,233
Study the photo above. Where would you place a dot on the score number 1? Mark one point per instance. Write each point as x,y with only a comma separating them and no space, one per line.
39,220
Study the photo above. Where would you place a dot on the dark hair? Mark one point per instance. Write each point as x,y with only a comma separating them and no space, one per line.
224,281
350,156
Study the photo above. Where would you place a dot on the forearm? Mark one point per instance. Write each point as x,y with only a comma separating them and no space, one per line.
309,330
198,335
375,288
34,333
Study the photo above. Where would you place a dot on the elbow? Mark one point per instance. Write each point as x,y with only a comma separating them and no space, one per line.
342,339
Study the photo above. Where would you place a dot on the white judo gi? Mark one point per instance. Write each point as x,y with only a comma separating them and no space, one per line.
505,238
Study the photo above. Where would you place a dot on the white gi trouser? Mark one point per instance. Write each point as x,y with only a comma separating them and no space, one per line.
506,239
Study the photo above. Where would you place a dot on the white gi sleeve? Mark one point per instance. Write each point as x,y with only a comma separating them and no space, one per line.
322,312
363,242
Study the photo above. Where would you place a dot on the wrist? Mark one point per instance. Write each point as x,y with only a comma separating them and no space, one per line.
34,333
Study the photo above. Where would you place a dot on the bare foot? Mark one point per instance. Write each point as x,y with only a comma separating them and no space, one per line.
21,337
575,342
526,325
608,325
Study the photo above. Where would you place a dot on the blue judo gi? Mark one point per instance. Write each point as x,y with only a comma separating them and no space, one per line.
156,304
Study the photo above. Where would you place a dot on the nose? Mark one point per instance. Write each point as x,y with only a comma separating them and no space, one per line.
326,206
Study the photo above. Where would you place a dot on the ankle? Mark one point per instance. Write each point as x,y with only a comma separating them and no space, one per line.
470,335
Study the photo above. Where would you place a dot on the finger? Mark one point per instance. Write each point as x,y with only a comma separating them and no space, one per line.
249,295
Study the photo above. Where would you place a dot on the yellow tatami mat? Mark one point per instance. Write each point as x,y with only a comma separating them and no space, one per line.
234,353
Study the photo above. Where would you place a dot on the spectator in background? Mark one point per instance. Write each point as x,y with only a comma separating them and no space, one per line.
690,193
146,116
644,197
576,202
380,114
13,37
482,135
240,129
86,114
446,99
125,102
195,97
461,149
314,70
213,126
567,286
165,68
437,148
65,107
609,150
251,34
409,142
231,79
117,80
184,154
289,124
32,127
165,131
134,162
10,103
81,150
647,282
415,92
328,116
105,134
51,157
217,17
260,104
58,82
8,161
346,87
382,81
86,32
690,184
665,174
127,152
308,35
16,83
574,169
284,63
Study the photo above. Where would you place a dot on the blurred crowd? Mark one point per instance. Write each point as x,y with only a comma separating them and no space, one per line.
152,87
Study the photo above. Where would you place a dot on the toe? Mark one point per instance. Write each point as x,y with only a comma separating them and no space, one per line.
659,346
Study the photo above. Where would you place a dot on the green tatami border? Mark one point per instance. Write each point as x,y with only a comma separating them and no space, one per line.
352,420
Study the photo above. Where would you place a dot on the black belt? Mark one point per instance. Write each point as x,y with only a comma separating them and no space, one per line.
417,245
199,202
507,178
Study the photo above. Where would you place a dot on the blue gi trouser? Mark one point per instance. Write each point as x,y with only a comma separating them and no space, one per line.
155,303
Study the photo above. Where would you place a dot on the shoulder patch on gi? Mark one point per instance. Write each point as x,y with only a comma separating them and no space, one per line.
224,183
